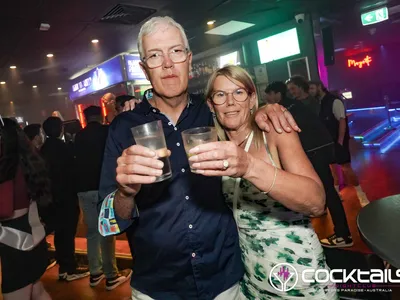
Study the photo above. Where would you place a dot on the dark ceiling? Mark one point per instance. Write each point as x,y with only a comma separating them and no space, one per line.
74,23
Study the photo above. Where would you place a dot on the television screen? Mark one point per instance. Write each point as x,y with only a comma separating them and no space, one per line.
229,59
279,46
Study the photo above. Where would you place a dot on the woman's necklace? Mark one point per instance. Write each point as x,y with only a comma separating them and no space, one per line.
247,136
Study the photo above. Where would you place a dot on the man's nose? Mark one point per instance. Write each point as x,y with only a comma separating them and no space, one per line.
167,63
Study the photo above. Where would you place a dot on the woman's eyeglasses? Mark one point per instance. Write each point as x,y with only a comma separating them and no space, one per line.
220,97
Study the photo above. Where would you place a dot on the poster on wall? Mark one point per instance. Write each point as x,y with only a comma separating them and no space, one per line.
261,73
299,67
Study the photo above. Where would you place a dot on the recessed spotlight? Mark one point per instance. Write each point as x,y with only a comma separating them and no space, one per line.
11,102
95,41
59,88
2,82
211,22
50,55
13,67
34,86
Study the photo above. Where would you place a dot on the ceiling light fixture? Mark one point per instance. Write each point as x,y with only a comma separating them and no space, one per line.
211,22
229,28
95,41
35,86
13,67
59,88
2,82
50,55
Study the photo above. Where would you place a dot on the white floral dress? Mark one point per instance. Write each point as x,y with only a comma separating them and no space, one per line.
271,234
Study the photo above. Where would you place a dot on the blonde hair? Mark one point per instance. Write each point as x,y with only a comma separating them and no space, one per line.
151,26
240,75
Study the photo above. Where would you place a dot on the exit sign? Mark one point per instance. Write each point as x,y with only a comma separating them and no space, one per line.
375,16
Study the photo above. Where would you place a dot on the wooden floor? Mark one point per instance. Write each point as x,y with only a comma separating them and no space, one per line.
379,175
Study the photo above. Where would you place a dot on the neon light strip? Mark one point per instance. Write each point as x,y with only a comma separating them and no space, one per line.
81,118
366,108
388,143
373,132
371,108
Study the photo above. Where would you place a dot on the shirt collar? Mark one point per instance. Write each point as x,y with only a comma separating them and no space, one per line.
146,106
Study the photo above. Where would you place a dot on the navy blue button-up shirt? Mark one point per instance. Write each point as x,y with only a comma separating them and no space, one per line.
185,238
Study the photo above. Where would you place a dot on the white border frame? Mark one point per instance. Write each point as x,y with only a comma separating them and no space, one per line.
301,58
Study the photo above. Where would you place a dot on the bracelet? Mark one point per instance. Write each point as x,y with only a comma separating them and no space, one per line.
273,182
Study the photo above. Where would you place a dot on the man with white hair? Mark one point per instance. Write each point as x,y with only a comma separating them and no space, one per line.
185,241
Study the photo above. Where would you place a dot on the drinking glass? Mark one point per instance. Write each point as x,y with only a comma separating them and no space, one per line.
197,136
151,135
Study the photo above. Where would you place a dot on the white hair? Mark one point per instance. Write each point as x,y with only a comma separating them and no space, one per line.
152,25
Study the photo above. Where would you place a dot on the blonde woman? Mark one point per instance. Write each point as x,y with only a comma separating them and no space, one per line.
271,187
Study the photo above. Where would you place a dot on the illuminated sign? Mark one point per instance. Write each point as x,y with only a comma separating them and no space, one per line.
133,69
102,77
375,16
359,64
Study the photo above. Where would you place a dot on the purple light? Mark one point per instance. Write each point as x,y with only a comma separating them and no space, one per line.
366,108
284,272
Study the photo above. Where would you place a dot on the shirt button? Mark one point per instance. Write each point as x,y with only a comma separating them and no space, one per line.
169,123
187,197
154,110
183,170
190,226
193,255
175,128
178,144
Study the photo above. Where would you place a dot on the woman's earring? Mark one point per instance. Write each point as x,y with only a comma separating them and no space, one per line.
214,115
251,111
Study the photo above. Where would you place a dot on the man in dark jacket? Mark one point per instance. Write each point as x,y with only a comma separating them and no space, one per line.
318,145
333,115
60,160
89,149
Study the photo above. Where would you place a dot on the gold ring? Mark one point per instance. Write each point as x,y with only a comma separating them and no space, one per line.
225,163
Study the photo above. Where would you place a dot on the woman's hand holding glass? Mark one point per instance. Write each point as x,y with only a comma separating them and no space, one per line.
220,159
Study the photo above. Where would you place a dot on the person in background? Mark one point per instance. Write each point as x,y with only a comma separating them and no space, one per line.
108,100
333,115
35,134
60,161
24,187
299,89
271,187
88,150
185,239
121,100
319,148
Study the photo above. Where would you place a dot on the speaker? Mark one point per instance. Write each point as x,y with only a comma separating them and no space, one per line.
329,46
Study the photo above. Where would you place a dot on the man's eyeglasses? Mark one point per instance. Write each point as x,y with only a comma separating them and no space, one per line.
156,59
220,97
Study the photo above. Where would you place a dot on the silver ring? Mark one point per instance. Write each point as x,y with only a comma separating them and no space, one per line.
225,163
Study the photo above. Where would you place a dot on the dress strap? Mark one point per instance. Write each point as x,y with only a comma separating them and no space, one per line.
237,181
269,152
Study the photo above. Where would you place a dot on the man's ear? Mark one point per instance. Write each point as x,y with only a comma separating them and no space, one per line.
144,69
